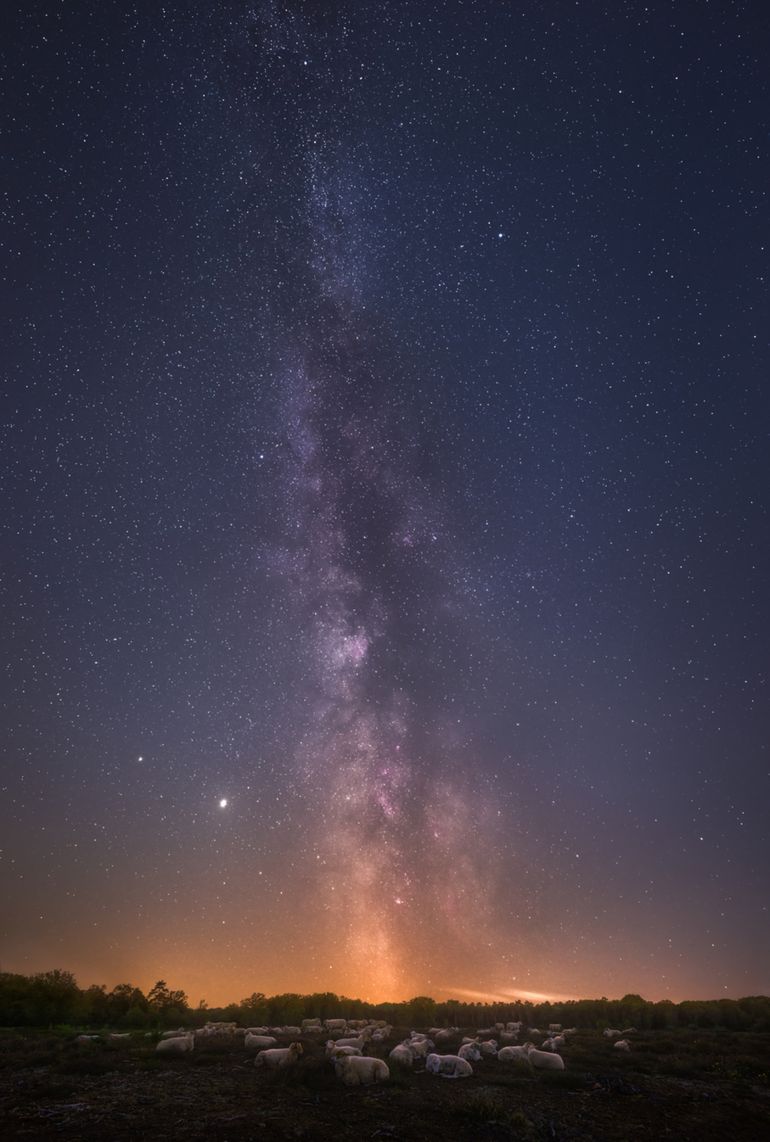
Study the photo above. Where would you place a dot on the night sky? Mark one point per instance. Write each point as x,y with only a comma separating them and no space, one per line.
384,518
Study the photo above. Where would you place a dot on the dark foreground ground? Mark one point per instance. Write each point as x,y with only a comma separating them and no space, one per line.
683,1085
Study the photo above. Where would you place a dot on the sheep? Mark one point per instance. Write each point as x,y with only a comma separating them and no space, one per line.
470,1052
448,1066
116,1036
358,1041
174,1034
420,1048
488,1048
178,1046
554,1026
340,1052
467,1039
544,1059
309,1026
535,1031
509,1054
445,1035
622,1045
279,1056
257,1031
254,1042
402,1054
354,1070
611,1033
87,1039
628,1031
508,1037
336,1024
514,1027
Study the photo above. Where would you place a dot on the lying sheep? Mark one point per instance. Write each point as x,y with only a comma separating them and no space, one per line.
448,1066
420,1048
279,1056
402,1054
544,1059
254,1042
359,1041
622,1045
611,1033
488,1048
355,1070
470,1052
509,1054
116,1036
87,1039
333,1051
178,1045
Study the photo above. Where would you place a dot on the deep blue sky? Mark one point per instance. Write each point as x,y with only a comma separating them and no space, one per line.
386,453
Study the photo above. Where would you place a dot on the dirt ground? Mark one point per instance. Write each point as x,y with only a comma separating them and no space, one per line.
687,1086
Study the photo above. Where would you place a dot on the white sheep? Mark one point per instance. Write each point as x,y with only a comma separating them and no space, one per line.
402,1054
508,1054
279,1056
87,1039
359,1041
488,1048
420,1048
254,1042
340,1052
448,1066
116,1036
611,1033
544,1059
355,1070
622,1045
336,1024
470,1052
311,1025
177,1046
554,1026
174,1034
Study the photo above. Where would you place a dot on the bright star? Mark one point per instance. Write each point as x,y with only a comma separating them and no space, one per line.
223,803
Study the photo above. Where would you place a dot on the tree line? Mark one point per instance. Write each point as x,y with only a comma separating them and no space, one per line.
54,997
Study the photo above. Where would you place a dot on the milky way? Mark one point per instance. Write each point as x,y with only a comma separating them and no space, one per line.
385,520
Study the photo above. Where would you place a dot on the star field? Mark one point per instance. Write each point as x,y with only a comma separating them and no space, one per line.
385,466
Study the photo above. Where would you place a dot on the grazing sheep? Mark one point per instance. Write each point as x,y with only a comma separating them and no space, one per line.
402,1054
254,1042
279,1056
355,1070
509,1054
448,1066
470,1052
544,1059
622,1045
178,1046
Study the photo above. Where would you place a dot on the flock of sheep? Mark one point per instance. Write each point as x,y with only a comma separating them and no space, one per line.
349,1041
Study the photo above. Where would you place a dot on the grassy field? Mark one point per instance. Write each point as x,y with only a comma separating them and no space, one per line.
678,1085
